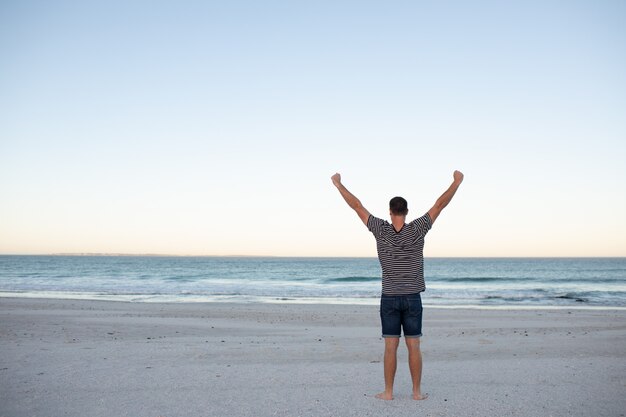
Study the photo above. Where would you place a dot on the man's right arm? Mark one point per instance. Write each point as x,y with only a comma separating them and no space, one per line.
352,201
445,198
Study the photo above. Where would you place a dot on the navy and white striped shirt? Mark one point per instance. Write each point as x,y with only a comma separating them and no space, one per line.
401,254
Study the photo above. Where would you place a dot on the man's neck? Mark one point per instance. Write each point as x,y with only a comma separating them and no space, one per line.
398,222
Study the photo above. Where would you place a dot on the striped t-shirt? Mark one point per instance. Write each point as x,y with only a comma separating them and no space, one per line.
401,254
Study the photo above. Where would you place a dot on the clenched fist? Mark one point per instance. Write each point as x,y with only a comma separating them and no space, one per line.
458,176
336,178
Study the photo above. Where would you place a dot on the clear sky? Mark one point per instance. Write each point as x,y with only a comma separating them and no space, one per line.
212,128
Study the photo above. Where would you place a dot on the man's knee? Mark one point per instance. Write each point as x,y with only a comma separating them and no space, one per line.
413,343
391,343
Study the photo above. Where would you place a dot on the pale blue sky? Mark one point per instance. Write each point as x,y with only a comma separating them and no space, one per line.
214,127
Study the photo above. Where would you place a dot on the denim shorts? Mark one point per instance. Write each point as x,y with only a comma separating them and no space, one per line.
401,311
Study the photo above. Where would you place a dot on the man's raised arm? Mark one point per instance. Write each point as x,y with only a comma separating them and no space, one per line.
446,197
352,201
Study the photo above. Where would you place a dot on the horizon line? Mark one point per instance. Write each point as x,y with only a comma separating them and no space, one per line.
165,255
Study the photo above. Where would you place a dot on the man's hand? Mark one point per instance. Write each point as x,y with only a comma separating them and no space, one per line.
458,177
336,178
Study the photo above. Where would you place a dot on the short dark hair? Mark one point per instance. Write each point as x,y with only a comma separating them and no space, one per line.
398,206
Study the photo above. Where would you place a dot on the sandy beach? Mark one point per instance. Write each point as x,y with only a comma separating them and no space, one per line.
103,358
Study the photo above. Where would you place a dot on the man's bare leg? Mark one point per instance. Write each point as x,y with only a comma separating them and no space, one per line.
415,365
391,350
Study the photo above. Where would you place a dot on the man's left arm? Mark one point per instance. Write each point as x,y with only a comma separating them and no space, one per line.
446,197
352,201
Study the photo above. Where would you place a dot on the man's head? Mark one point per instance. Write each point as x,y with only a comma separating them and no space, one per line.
398,206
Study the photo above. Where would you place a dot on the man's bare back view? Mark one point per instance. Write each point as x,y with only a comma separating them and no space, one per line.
401,254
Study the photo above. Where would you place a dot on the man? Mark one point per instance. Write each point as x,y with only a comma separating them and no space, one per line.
400,252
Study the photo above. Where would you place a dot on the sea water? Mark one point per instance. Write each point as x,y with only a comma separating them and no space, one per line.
450,282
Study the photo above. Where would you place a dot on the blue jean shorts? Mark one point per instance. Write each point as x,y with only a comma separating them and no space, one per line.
401,311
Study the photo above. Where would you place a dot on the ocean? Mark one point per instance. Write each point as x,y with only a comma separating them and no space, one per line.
450,282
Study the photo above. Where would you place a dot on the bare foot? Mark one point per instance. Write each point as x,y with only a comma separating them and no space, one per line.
418,396
385,396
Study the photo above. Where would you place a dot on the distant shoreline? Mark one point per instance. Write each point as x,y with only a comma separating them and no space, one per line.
373,301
